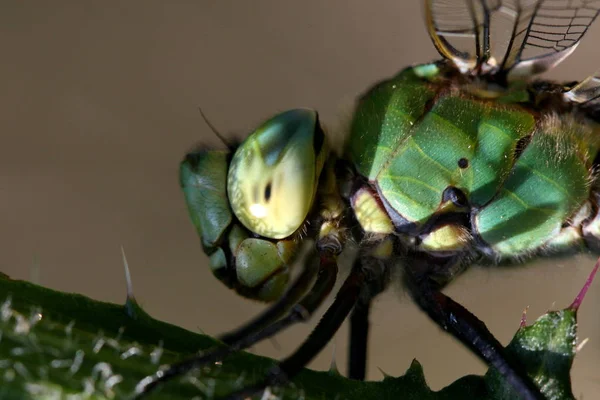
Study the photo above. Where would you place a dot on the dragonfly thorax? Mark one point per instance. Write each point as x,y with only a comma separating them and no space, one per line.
457,163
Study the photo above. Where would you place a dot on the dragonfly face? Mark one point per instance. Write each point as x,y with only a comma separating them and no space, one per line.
250,208
273,175
447,163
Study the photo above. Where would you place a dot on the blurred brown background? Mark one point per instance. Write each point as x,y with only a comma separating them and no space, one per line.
99,102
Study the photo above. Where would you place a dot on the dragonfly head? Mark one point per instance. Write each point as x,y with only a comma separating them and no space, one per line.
250,207
273,175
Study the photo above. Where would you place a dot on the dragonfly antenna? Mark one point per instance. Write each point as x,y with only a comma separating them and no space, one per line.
214,130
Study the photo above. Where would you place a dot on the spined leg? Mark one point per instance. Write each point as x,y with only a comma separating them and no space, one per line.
301,311
369,275
279,308
462,324
359,335
327,273
327,327
378,262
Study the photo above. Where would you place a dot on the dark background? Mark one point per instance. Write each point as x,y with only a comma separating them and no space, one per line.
99,102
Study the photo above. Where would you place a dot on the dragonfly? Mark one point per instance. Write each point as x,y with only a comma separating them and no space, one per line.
471,159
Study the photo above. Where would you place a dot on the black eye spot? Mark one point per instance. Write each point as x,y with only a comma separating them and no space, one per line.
463,163
268,191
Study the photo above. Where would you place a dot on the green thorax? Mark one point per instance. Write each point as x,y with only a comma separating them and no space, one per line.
425,131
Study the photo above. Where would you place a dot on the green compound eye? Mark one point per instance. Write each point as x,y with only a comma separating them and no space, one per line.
273,174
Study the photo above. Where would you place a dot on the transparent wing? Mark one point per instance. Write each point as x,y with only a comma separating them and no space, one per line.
460,29
533,35
586,91
587,94
545,32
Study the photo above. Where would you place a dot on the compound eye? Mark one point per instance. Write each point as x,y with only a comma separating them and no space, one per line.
273,174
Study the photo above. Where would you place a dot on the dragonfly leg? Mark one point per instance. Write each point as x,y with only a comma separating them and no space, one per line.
462,324
378,261
327,273
279,308
368,274
344,301
359,334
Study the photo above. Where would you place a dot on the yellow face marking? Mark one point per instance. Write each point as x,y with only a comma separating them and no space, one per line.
446,238
370,214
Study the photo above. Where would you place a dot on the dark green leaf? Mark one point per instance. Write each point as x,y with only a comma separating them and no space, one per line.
54,344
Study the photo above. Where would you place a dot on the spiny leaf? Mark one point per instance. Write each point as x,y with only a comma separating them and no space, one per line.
546,350
56,345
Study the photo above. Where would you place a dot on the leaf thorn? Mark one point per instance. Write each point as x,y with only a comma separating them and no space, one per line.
128,283
579,299
524,318
385,374
580,345
333,369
